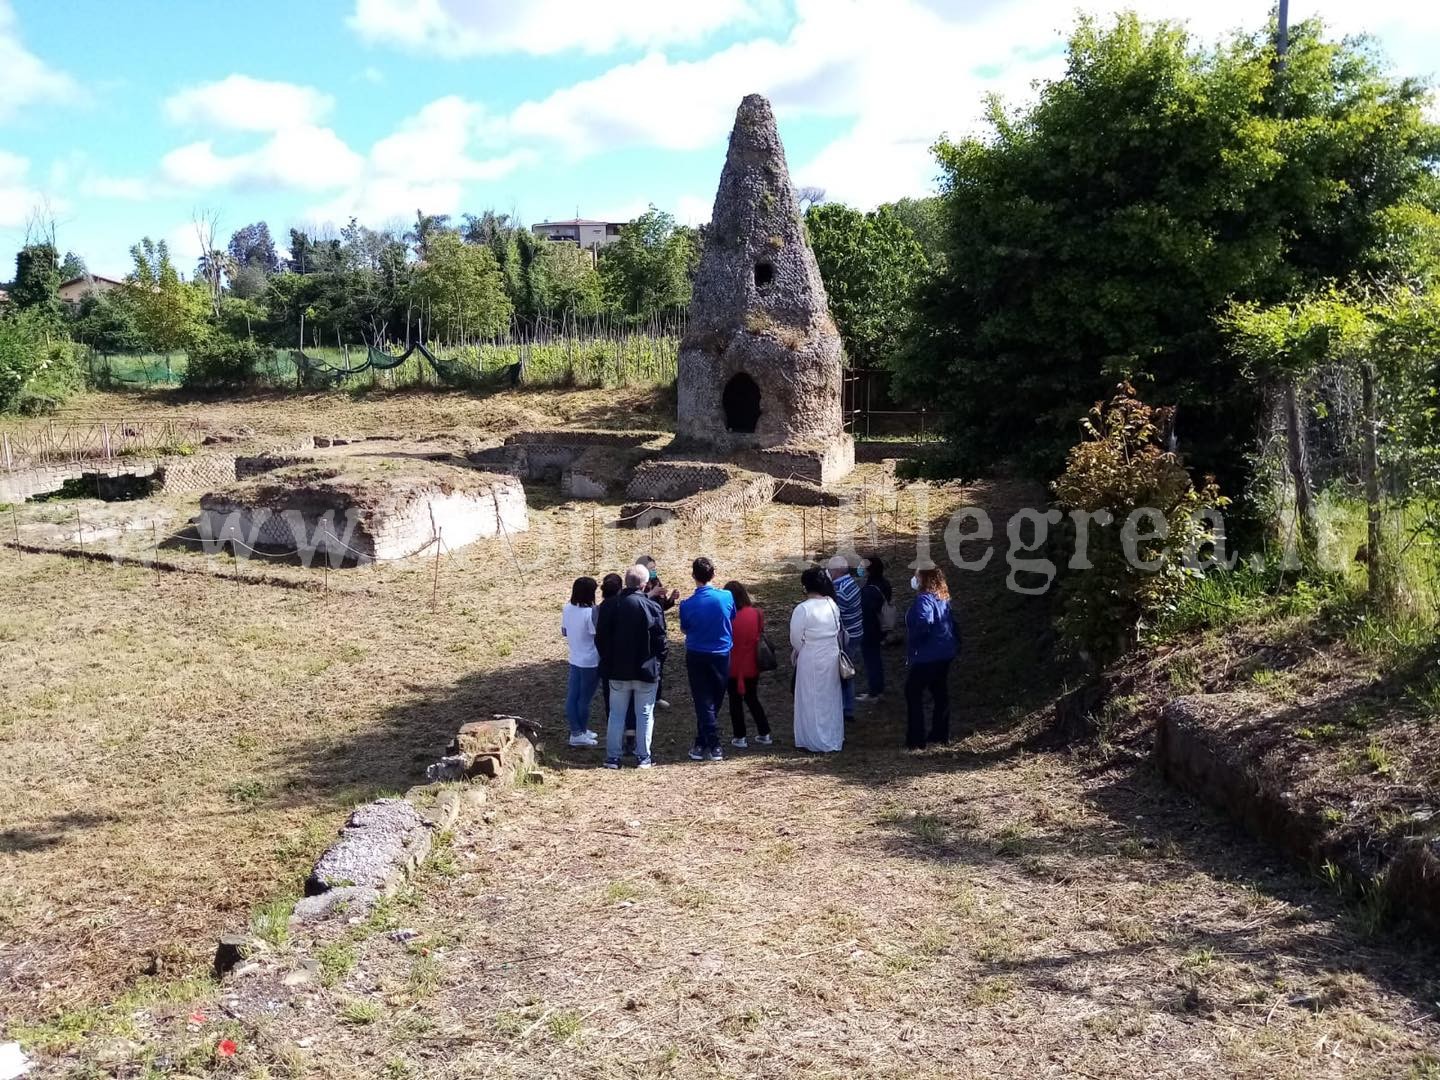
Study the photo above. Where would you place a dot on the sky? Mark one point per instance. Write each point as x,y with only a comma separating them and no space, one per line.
128,119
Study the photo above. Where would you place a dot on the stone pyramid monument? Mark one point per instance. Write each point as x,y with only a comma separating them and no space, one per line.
760,363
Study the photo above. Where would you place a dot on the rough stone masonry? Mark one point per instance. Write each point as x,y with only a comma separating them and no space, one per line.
760,363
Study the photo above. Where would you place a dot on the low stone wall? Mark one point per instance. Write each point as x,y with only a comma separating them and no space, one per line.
203,472
1193,752
740,491
822,464
377,850
329,514
174,474
248,466
804,493
586,464
586,437
671,479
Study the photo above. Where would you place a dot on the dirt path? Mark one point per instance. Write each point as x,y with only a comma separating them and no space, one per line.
975,911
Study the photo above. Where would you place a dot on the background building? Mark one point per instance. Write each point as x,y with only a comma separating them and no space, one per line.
589,235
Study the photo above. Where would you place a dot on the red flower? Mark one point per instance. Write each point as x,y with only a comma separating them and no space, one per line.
197,1017
226,1048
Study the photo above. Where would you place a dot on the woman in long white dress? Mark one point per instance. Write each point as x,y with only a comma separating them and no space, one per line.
815,639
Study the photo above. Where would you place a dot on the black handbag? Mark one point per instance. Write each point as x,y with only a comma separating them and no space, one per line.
765,658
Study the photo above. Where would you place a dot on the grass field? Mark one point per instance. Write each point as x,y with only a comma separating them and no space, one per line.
178,747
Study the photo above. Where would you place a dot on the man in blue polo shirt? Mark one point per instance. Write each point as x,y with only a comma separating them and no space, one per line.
705,621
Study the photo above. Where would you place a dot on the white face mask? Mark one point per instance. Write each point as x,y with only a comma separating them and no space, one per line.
915,583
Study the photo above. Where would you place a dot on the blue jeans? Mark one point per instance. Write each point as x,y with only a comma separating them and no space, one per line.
709,678
874,664
847,686
583,681
625,693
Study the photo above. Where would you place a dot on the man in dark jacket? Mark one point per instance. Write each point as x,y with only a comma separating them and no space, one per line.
630,635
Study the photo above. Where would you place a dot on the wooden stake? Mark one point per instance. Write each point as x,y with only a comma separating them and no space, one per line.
155,535
594,542
805,532
15,521
435,587
79,530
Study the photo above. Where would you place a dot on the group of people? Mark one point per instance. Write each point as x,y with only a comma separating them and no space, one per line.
620,645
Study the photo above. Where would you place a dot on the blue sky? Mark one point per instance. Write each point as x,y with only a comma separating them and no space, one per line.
128,118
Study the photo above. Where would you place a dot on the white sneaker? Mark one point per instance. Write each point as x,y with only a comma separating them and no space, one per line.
585,738
764,740
662,703
740,743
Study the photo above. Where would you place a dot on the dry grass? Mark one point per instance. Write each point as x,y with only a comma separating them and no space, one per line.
175,753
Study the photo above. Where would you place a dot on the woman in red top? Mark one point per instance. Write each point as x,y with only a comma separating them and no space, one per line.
746,627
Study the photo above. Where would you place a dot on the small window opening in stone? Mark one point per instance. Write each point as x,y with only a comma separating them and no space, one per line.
764,275
741,402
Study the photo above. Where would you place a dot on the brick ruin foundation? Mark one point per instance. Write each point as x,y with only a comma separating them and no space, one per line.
362,510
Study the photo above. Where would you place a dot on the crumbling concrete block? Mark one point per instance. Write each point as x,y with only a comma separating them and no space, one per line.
381,843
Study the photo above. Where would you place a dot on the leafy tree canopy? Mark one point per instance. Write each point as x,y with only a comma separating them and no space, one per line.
872,265
649,269
1098,233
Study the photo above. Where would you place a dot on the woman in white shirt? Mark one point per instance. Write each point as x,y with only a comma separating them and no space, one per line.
815,638
577,626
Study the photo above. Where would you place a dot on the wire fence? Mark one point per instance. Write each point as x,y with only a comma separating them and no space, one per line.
618,358
24,445
872,512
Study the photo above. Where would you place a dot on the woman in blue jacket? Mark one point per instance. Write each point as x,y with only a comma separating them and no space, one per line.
931,644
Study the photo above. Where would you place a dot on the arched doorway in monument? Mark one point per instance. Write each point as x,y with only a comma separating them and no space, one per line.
741,402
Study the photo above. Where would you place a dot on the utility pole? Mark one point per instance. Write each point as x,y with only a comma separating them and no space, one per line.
1282,32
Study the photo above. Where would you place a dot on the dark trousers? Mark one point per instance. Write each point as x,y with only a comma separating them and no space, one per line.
934,677
708,673
738,701
874,663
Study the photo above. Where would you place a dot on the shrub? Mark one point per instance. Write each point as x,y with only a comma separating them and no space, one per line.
1121,466
38,367
220,362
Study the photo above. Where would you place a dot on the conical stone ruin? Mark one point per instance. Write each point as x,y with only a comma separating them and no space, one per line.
760,371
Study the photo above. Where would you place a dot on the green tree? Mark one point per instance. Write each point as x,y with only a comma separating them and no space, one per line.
462,289
1283,345
872,265
570,282
649,269
170,314
37,282
106,322
926,219
72,266
1098,233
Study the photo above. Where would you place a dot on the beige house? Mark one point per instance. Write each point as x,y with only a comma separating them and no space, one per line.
588,235
77,288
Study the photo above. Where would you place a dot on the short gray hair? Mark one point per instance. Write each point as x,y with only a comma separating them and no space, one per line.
636,576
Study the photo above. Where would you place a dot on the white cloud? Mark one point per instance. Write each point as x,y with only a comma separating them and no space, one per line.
128,188
300,158
454,28
898,69
423,165
18,198
25,79
901,72
185,247
240,103
693,209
